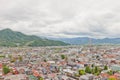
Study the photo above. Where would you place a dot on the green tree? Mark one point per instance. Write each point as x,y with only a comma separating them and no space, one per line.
93,71
45,60
112,79
6,69
40,78
63,56
81,72
92,65
20,58
12,60
97,73
105,67
96,70
88,69
110,72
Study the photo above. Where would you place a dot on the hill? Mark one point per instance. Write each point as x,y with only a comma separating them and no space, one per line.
11,38
85,40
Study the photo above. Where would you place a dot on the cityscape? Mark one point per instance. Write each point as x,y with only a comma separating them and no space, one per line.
59,39
60,63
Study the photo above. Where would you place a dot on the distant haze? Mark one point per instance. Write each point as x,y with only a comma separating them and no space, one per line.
62,18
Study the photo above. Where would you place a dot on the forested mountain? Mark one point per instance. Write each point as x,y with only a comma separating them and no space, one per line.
13,38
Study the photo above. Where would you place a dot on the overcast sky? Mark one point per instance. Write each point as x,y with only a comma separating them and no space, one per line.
62,18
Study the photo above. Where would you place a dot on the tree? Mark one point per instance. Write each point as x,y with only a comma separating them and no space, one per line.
63,56
45,60
12,60
87,69
96,69
97,73
112,79
92,65
110,72
93,71
97,57
6,69
105,68
40,78
20,58
81,72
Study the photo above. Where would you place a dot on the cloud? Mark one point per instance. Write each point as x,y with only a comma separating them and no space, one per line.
62,18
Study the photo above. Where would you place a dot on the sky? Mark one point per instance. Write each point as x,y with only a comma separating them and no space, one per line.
62,18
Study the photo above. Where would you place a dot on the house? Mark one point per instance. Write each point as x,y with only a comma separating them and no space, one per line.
87,77
16,77
115,67
0,69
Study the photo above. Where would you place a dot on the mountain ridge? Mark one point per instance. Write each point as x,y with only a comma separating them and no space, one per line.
12,38
86,40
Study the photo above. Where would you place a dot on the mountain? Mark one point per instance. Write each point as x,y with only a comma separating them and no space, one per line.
86,40
11,38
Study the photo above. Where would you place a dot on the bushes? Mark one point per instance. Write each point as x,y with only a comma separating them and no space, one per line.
112,79
6,69
40,78
81,72
110,72
95,70
105,68
63,56
88,69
